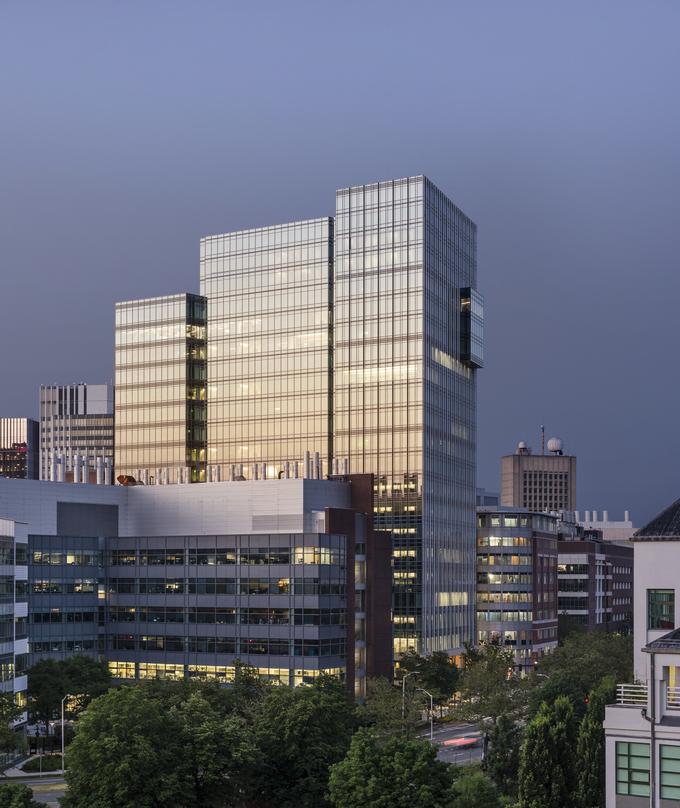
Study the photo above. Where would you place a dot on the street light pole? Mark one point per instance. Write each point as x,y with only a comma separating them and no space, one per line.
403,693
431,711
67,696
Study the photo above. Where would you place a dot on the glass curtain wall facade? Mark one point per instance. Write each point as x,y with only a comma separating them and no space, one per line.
404,393
161,388
19,438
270,349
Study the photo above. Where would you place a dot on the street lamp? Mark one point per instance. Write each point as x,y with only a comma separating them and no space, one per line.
67,696
427,693
403,693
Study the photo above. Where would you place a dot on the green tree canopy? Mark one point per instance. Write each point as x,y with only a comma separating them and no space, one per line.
546,772
437,673
299,734
472,789
590,748
128,751
489,684
502,759
17,795
394,772
383,706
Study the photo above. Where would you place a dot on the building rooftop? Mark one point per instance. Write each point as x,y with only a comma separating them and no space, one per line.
669,642
665,526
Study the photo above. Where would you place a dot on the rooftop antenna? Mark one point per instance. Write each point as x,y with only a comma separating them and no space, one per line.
542,439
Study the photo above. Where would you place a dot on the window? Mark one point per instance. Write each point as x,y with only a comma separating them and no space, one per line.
661,609
670,772
632,769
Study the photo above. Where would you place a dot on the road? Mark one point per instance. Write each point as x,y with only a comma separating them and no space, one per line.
447,732
46,790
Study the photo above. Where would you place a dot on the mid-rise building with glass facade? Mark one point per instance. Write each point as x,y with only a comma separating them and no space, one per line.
76,428
161,389
19,441
407,343
269,293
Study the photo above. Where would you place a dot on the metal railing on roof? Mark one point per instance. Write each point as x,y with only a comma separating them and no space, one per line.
631,694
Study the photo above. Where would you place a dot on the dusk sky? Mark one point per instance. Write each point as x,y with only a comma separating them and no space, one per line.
130,129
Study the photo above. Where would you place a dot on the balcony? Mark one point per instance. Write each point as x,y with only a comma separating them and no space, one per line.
673,698
632,695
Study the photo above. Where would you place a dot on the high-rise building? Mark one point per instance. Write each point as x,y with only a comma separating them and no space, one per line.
19,439
517,581
269,293
408,332
545,482
161,388
76,427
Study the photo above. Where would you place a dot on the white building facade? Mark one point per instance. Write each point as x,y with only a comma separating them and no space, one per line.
643,728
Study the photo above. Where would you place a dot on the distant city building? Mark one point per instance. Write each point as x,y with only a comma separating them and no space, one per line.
487,498
517,581
595,580
182,581
643,729
161,409
14,611
544,482
612,530
19,441
76,430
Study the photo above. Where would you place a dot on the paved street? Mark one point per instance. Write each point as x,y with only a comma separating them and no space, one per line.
447,732
46,789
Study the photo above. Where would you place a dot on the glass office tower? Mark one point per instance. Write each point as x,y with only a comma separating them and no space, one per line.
161,389
270,350
407,341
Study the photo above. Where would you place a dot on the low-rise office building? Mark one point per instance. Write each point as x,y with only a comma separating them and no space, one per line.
176,581
517,581
643,729
613,530
595,580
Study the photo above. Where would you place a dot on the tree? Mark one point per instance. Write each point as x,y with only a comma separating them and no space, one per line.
502,759
382,709
472,789
437,673
128,751
558,683
217,751
590,748
392,772
299,734
17,795
489,685
546,771
50,680
587,657
9,712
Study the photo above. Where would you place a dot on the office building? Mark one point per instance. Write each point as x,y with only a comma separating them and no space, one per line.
19,440
595,580
545,482
612,530
487,498
407,343
517,581
161,373
176,581
13,611
643,729
76,430
269,293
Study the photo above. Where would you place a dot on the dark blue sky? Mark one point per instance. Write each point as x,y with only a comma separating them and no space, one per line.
128,130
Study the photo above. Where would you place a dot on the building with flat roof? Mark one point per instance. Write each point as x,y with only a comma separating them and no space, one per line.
517,581
540,482
161,408
643,728
76,431
175,581
612,530
19,452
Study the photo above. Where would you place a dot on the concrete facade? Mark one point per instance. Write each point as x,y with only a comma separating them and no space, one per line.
545,482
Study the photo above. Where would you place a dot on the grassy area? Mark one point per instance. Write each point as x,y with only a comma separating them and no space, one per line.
50,763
